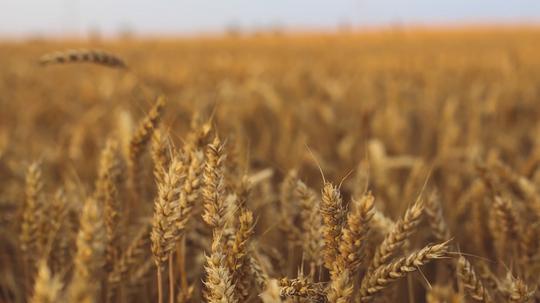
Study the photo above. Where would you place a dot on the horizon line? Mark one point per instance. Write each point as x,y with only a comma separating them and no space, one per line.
285,30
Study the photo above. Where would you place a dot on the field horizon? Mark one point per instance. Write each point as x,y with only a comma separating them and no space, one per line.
291,32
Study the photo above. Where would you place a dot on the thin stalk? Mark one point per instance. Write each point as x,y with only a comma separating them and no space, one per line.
312,269
26,269
182,264
171,278
160,285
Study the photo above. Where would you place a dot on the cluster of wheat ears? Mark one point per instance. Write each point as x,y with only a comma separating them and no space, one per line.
189,217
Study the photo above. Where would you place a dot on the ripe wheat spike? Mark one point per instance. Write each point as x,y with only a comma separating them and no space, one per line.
92,56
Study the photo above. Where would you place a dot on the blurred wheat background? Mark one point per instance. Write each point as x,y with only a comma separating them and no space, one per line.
385,166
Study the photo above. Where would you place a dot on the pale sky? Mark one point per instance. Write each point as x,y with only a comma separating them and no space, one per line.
57,17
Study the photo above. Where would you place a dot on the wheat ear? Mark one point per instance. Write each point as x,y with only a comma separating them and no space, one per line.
83,56
165,231
505,226
352,249
435,217
139,141
302,288
59,242
332,213
311,223
401,231
517,291
355,232
287,209
341,287
218,283
160,150
238,257
470,281
33,236
133,253
382,276
47,288
259,275
213,192
109,174
89,259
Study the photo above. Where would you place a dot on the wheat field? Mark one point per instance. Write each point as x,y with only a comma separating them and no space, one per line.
385,166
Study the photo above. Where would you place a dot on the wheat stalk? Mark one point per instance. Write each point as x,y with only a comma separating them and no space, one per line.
165,232
302,288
